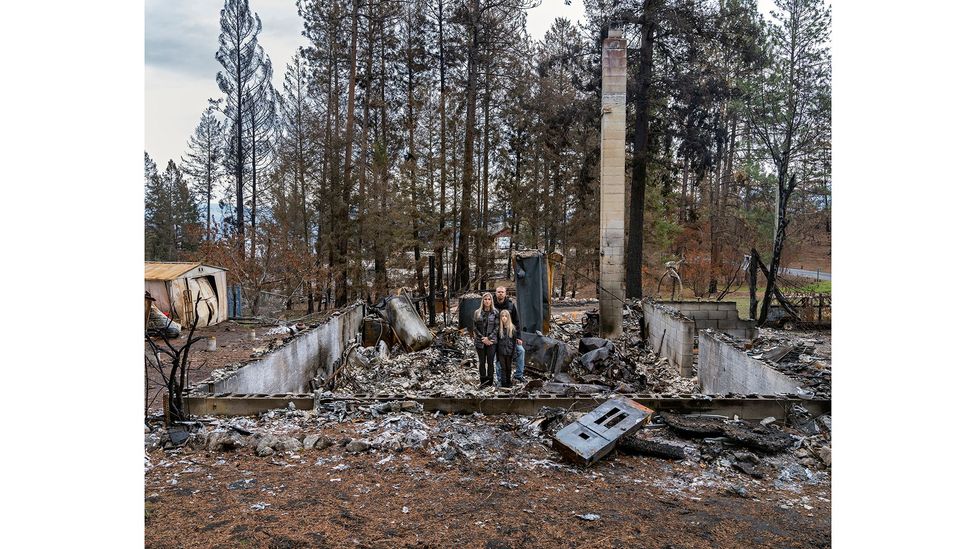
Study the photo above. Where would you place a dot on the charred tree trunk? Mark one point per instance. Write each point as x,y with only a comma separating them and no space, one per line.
443,148
342,234
380,184
412,171
714,215
753,266
635,233
463,276
785,189
485,248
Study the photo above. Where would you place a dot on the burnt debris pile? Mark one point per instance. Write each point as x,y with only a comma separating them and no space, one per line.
804,356
569,362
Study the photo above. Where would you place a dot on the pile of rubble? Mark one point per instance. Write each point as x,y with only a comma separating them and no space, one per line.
449,368
565,364
708,450
621,365
804,356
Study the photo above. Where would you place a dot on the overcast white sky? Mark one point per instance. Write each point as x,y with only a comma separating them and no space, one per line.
181,40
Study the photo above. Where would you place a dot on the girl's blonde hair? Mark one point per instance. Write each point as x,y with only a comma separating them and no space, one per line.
506,325
477,314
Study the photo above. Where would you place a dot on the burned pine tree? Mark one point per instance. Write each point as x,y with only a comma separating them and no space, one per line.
261,124
240,59
790,108
203,160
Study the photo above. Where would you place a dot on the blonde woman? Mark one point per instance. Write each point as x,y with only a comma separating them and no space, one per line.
485,337
506,347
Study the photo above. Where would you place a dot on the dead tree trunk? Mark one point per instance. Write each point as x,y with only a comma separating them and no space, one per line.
785,189
770,283
635,233
753,266
462,275
443,148
342,234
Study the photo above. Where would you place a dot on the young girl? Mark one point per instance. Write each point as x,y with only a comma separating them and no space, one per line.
506,347
485,336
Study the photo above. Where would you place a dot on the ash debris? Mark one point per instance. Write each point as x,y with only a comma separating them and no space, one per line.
804,356
568,362
748,458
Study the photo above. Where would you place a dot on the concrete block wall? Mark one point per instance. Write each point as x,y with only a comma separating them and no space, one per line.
612,166
671,334
722,316
724,367
289,368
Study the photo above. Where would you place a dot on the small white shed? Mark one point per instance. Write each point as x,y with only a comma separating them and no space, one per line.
177,286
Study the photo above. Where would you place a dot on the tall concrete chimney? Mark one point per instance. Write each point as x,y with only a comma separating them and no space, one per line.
612,134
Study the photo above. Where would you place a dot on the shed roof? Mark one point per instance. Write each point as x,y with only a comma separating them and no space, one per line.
165,270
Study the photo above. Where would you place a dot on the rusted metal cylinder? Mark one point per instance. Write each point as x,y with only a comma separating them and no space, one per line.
407,324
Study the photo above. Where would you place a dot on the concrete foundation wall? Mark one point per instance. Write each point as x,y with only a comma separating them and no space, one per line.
671,334
721,316
725,368
289,369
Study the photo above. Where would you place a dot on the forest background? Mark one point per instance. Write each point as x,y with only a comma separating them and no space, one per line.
434,127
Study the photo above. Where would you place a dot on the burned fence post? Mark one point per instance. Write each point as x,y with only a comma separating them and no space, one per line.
753,271
431,308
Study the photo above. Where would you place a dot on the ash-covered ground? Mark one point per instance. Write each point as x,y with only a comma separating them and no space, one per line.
392,474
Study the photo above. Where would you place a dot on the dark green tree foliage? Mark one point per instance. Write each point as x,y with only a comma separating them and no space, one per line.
159,235
186,212
172,220
416,128
202,162
789,111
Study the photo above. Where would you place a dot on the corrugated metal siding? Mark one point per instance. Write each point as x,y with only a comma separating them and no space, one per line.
160,270
159,291
167,271
175,287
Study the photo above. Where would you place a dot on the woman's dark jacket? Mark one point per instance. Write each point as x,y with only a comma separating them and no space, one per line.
486,326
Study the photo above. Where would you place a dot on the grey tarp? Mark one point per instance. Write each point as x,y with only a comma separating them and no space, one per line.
532,292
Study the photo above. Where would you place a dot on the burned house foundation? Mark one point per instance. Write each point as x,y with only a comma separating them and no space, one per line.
677,360
709,339
291,367
722,316
288,375
671,334
724,367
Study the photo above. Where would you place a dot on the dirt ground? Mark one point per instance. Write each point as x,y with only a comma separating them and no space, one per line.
476,482
328,498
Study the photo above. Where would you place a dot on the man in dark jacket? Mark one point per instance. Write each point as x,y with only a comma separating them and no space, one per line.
503,303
